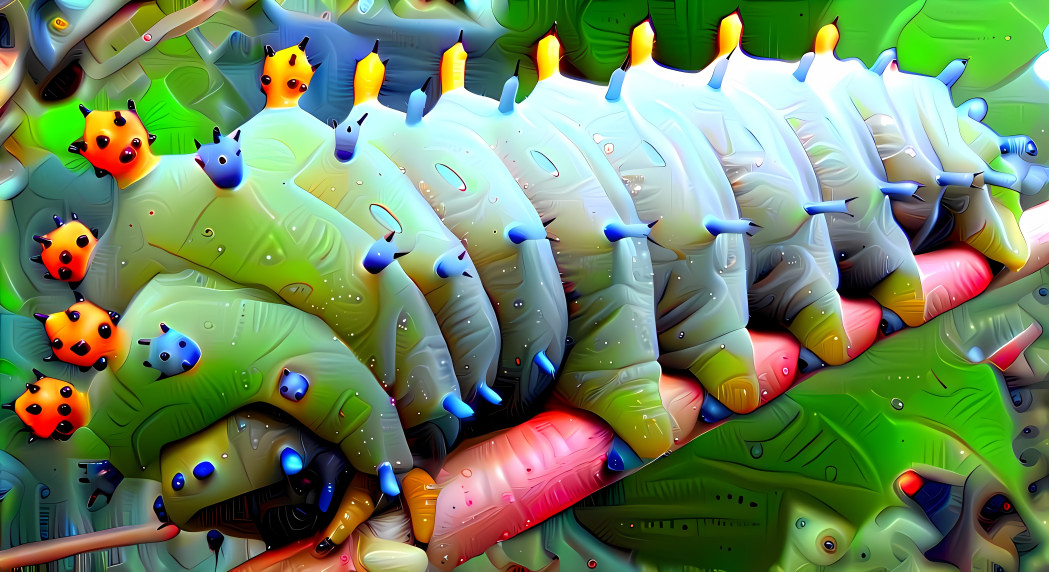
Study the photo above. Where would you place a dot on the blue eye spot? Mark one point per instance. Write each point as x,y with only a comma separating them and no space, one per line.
178,481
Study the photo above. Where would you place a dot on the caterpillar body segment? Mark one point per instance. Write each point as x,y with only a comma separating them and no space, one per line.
606,276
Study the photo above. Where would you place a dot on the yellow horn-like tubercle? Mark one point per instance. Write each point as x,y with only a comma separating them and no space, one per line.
367,79
549,56
453,68
729,34
641,41
827,39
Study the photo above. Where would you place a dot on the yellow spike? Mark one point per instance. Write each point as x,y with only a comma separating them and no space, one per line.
729,34
453,68
641,41
367,79
827,39
549,56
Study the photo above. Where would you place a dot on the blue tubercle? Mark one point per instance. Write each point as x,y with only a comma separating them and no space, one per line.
713,410
489,394
388,481
544,363
456,406
621,457
290,461
171,353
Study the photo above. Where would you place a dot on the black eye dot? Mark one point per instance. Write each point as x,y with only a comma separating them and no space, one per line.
284,389
292,83
265,80
102,141
182,343
136,142
64,273
64,427
56,343
65,257
73,316
66,392
82,240
828,545
64,409
164,356
222,159
34,409
302,87
104,331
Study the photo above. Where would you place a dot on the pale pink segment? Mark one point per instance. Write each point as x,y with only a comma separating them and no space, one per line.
1034,224
861,318
513,480
951,276
775,361
1004,356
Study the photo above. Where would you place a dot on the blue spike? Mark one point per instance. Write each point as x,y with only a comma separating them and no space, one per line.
615,85
203,470
327,492
450,264
890,322
617,230
823,207
719,74
380,254
951,72
489,394
456,406
416,106
716,226
954,179
519,233
388,481
290,461
901,189
713,410
999,179
621,457
507,100
884,59
975,108
803,66
544,363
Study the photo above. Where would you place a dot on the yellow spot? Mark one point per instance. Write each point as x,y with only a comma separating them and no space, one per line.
453,68
827,39
59,24
548,57
729,34
641,43
367,79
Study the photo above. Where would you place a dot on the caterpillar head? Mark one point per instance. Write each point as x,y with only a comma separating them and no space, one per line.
116,143
171,353
221,159
66,251
83,335
51,408
286,75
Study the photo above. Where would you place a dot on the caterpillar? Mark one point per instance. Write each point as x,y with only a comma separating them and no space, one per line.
398,281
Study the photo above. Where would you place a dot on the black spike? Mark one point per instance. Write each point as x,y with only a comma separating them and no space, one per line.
100,173
58,221
36,258
7,406
269,51
361,120
302,44
75,285
74,148
375,48
197,143
84,110
460,40
291,60
50,358
517,70
215,134
236,135
114,316
315,66
118,120
79,297
41,317
131,105
39,375
31,439
84,368
151,138
334,124
143,341
45,241
426,84
94,231
73,216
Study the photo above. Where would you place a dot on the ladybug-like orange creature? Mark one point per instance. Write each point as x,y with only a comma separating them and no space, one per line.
116,143
286,75
67,250
51,408
84,335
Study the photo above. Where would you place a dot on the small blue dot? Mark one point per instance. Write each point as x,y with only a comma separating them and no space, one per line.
45,492
1043,291
178,481
203,470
